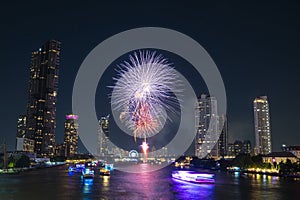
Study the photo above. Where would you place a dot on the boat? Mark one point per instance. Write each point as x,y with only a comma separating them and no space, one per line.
194,177
109,167
79,167
104,171
71,169
88,173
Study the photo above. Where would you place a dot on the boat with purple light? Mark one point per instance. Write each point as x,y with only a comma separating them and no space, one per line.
194,177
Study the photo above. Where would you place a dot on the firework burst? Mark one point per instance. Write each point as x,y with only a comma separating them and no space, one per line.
144,92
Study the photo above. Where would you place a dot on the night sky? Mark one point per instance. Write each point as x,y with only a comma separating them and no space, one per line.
255,46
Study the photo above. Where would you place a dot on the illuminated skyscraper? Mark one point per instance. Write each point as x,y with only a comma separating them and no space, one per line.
41,108
208,127
71,135
103,136
262,126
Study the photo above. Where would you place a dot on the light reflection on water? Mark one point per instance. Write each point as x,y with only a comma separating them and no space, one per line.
56,183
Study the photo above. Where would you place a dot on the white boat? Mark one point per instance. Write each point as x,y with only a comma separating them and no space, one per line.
194,177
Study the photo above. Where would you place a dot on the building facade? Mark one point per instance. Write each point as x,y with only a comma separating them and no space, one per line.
293,149
223,139
21,126
24,145
277,157
103,137
207,126
41,108
241,147
262,127
71,135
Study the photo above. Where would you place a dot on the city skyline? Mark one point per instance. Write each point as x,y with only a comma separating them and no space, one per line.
238,52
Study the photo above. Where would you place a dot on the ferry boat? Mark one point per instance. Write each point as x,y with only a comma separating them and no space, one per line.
79,167
194,177
104,171
88,173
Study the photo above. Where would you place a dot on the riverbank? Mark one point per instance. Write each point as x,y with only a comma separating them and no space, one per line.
265,173
18,170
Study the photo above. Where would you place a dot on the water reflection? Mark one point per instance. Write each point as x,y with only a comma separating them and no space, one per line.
87,185
58,184
187,190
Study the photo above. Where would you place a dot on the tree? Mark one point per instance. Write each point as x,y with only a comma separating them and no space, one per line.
24,161
243,161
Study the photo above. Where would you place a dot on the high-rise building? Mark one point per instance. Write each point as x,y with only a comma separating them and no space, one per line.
242,147
246,147
41,108
71,135
262,127
207,126
103,136
223,139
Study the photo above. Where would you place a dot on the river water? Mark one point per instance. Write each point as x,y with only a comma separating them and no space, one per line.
57,183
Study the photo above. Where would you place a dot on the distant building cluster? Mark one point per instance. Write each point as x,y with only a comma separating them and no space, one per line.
209,124
36,129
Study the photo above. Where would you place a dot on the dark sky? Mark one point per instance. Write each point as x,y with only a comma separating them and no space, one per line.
255,46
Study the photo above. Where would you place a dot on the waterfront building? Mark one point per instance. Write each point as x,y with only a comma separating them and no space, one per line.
277,157
21,144
24,145
41,107
103,137
207,126
71,135
262,127
60,150
293,149
223,139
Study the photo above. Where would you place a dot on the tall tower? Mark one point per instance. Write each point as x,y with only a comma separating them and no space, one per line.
223,139
262,125
103,136
71,135
208,127
41,108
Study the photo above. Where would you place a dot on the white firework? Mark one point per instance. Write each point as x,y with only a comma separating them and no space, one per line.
144,92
